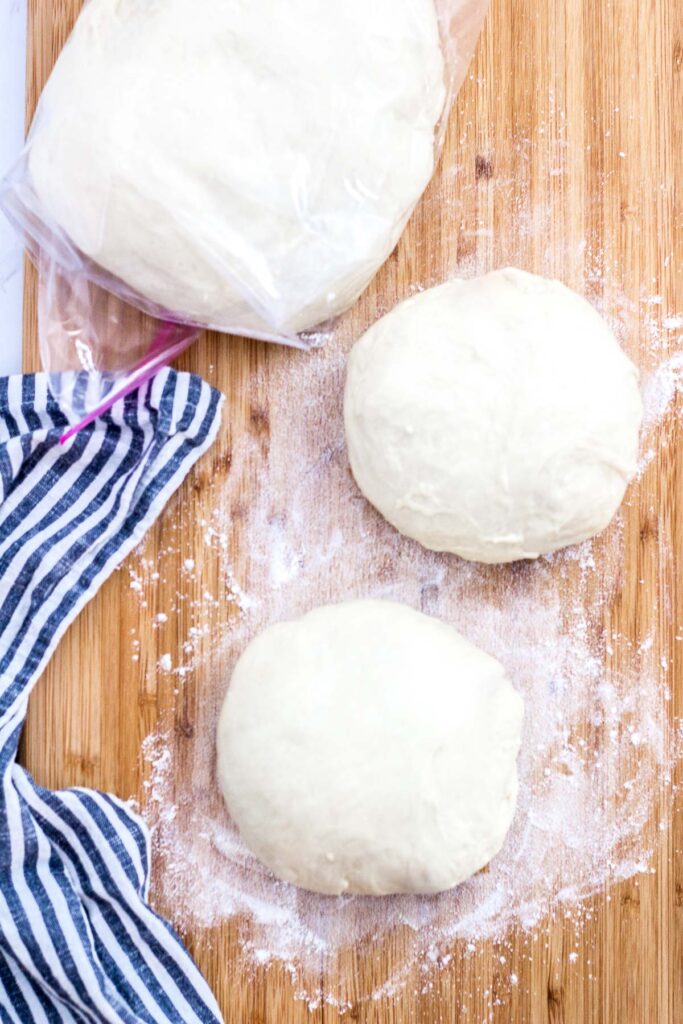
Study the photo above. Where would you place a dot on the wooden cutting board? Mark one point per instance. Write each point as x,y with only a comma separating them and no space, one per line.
569,128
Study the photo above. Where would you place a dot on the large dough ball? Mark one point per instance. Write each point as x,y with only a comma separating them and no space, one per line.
368,748
496,418
248,163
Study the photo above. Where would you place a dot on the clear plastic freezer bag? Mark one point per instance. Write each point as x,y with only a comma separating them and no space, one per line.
245,165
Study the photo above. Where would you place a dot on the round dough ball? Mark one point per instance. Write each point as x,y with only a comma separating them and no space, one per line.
245,163
367,748
496,418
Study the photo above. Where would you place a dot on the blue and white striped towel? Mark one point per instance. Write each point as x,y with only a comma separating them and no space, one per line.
78,941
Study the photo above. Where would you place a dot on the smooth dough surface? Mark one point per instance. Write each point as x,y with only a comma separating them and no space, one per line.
496,418
368,748
249,163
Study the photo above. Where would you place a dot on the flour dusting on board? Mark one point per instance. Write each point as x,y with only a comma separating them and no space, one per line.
597,753
598,749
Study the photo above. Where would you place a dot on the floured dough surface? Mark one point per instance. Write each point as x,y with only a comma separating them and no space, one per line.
496,418
369,748
248,163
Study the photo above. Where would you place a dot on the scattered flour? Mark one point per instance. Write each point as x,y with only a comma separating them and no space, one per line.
165,663
599,750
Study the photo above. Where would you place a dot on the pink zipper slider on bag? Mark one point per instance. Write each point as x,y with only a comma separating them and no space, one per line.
170,340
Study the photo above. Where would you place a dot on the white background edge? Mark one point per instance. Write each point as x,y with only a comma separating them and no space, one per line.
12,89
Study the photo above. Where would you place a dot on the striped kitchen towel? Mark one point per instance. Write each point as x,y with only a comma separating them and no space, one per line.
78,940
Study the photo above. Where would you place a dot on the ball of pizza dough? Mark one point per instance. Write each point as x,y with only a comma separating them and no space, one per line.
367,748
246,164
496,418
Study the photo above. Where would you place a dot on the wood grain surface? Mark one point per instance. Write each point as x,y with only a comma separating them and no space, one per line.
566,140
